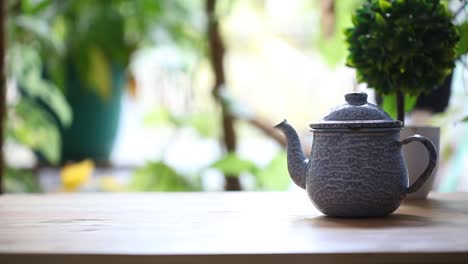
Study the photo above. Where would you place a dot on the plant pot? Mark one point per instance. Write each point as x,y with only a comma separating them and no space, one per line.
417,158
95,119
436,101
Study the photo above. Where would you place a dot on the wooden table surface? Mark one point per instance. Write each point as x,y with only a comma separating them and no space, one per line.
224,228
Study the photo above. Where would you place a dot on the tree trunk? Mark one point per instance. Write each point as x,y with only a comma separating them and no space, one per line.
216,47
400,106
327,18
2,87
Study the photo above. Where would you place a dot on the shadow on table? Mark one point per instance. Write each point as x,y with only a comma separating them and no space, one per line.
447,206
394,220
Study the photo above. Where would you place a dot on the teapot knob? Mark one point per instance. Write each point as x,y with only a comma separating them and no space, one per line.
356,98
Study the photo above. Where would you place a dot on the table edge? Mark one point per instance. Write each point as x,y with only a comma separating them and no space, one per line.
394,257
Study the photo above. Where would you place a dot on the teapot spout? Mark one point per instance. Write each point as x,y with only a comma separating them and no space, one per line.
297,161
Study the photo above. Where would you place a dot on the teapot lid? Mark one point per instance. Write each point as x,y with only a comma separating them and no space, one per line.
355,114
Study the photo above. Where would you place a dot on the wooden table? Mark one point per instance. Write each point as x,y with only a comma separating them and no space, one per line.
224,228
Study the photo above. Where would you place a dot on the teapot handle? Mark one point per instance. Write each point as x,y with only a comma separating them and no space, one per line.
432,161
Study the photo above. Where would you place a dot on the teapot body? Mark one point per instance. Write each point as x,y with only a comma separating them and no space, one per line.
357,173
356,167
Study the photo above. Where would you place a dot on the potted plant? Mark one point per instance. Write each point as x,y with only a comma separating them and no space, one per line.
437,101
403,49
96,41
92,73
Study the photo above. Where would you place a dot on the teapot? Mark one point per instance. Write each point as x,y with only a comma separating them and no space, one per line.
356,166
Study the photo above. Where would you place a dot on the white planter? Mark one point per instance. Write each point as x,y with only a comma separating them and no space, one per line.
417,157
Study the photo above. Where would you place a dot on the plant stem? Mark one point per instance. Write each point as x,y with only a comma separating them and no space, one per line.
217,50
400,98
2,87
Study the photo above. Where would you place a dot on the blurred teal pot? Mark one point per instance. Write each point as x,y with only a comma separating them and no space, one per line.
95,119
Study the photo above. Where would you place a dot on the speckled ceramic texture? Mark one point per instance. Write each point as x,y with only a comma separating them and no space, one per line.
356,113
356,167
356,174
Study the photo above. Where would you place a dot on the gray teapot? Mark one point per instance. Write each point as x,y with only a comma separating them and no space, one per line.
356,166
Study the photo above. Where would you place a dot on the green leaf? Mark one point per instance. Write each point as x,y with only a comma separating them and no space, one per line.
25,65
33,127
465,119
232,164
41,31
157,117
379,19
99,73
205,123
384,5
160,177
275,176
462,46
21,181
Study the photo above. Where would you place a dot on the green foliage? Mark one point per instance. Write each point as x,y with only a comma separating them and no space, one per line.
20,181
275,176
462,46
28,123
28,27
93,35
101,33
204,123
232,164
159,116
160,177
402,45
333,49
389,104
25,66
31,126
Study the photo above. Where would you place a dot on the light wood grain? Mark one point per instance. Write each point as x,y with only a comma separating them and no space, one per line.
223,227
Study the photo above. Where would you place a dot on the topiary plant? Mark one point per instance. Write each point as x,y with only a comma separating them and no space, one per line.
402,47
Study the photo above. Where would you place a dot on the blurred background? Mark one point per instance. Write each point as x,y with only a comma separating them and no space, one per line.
174,95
